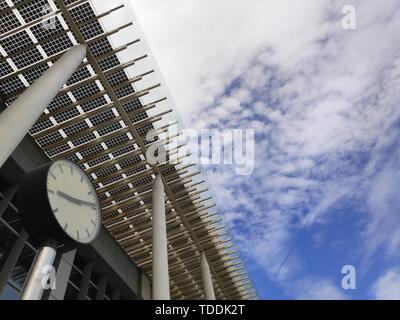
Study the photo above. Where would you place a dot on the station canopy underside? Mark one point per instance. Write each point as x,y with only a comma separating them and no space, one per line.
99,120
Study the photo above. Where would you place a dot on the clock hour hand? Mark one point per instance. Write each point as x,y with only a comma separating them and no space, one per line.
75,200
67,197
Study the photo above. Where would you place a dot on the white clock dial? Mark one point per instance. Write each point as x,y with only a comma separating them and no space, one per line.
74,201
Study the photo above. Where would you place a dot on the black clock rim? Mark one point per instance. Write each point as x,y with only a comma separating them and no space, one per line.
37,216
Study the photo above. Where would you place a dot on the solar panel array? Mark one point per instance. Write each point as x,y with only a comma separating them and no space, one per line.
98,120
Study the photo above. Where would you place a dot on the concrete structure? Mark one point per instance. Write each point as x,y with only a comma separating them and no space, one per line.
206,276
105,255
160,250
157,217
22,114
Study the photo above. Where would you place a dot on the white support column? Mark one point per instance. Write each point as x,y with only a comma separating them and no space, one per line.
160,250
35,282
206,276
21,115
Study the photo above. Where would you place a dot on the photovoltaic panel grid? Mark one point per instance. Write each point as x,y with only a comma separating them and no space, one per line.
99,121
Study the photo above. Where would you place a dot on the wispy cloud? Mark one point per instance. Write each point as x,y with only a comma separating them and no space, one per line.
382,231
316,289
323,102
387,287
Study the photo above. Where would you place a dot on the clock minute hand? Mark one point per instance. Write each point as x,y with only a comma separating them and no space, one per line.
75,200
86,202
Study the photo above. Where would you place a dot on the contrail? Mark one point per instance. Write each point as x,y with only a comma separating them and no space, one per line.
288,254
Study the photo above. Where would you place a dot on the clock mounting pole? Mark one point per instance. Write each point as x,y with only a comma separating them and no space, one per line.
37,278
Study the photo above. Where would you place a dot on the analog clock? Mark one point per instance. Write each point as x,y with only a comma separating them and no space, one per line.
73,201
59,200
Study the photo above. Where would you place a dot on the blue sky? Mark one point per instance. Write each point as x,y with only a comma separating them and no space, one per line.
324,104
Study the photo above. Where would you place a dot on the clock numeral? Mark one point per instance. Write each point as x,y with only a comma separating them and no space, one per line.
87,231
61,169
94,223
55,210
77,234
81,179
66,226
54,177
72,170
50,191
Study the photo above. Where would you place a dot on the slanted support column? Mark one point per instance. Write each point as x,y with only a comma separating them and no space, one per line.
8,196
116,294
85,282
207,279
12,259
101,288
34,284
21,115
160,250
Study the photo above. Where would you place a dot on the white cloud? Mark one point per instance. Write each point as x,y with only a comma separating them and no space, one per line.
316,289
387,287
323,101
202,45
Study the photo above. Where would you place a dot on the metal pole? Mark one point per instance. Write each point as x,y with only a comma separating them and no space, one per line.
206,276
64,267
160,250
21,115
34,283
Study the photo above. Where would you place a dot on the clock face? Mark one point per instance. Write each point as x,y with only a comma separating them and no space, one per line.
73,201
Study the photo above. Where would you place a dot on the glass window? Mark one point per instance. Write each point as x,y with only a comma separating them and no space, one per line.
9,293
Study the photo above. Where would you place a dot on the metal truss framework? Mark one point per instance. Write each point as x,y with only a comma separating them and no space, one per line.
99,121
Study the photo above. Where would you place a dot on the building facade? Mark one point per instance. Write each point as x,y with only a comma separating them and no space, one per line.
160,237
